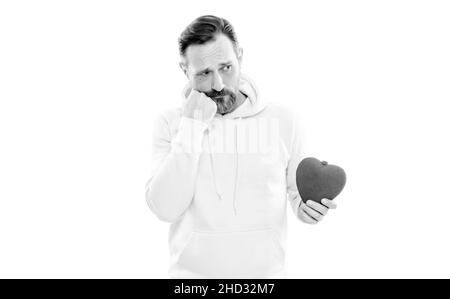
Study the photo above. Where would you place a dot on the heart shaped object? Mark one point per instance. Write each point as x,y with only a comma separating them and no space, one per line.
317,179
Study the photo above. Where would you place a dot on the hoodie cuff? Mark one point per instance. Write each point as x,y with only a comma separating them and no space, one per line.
189,137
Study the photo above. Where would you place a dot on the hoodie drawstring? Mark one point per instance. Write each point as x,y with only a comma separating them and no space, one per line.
236,177
237,173
211,157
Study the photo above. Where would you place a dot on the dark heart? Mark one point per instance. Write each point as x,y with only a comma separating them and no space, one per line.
317,179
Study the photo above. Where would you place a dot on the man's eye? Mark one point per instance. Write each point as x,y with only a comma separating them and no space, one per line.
227,68
202,75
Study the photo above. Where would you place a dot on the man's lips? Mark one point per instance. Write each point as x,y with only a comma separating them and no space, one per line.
219,98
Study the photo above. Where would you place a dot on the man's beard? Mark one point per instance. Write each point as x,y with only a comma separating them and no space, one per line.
224,99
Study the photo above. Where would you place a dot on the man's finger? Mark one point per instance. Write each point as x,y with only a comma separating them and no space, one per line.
318,207
329,203
312,213
307,218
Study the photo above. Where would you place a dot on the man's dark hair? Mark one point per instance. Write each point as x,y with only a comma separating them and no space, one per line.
205,29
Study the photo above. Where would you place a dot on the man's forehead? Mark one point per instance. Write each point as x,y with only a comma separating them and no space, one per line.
210,54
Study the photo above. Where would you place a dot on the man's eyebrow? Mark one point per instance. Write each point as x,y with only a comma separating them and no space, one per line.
208,69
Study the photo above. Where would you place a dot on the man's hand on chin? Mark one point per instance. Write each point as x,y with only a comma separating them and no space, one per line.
199,107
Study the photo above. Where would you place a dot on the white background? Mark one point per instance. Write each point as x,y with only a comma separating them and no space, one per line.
81,82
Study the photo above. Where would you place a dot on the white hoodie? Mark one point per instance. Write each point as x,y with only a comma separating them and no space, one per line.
223,187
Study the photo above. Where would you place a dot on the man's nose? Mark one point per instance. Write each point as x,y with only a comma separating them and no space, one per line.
217,83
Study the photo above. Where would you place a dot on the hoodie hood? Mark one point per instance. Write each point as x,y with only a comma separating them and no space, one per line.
252,105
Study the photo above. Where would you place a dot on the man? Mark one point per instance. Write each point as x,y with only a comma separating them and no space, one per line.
224,165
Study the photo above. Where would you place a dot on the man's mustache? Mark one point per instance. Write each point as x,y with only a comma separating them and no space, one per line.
215,94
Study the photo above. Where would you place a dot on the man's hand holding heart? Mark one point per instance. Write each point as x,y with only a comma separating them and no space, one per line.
318,184
312,212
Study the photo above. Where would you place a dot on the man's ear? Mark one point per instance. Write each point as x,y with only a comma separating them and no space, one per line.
183,67
240,53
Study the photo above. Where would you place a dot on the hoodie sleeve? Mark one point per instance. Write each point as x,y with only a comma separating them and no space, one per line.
170,189
296,154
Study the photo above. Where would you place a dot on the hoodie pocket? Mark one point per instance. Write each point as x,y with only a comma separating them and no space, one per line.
246,254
